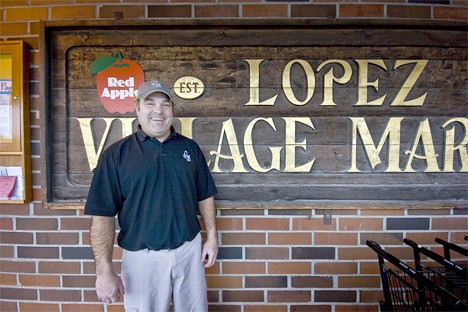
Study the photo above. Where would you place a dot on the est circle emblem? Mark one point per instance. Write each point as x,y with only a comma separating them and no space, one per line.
188,87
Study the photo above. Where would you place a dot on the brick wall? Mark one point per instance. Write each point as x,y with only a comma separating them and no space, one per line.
270,260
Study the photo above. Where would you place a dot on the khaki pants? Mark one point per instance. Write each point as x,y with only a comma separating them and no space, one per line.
153,278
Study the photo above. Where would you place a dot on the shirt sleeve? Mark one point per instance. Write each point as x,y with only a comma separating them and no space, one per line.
105,196
205,183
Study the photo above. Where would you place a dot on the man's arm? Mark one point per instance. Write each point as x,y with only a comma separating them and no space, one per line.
109,286
208,214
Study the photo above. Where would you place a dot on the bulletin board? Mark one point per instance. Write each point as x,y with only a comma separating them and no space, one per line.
15,160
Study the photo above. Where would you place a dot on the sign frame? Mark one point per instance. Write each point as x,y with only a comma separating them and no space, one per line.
439,36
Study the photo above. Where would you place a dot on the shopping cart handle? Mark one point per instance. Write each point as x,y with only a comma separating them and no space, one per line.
411,243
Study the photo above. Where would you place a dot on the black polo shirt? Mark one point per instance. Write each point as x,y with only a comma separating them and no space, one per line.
154,188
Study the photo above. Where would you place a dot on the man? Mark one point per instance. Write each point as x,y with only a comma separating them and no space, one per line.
154,180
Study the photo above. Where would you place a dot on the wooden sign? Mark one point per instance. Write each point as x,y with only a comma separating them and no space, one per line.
288,122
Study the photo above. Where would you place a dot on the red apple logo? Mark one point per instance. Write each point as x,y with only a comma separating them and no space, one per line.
117,80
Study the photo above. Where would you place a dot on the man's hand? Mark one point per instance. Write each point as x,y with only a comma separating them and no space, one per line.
109,288
209,252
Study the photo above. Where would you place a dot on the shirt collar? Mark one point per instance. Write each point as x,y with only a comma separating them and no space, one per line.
143,136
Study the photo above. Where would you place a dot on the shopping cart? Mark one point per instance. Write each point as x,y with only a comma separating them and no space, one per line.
452,247
405,289
447,274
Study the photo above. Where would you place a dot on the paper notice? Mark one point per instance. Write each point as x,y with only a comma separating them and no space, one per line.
7,185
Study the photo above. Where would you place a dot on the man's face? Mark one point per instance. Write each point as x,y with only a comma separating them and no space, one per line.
155,115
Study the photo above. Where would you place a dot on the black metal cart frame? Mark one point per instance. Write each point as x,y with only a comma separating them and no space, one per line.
447,274
405,289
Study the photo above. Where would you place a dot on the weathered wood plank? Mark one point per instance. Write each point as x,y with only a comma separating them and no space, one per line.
219,57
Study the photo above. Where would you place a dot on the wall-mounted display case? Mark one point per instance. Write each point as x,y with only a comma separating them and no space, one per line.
15,156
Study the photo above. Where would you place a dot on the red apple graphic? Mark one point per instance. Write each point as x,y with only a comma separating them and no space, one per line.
117,80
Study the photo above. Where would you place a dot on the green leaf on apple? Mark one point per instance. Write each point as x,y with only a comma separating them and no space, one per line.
102,63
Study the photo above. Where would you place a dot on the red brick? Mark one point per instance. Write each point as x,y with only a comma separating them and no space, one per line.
243,296
214,306
38,252
272,224
57,238
224,281
426,238
311,308
267,281
217,11
311,281
313,10
395,1
8,279
264,10
14,3
36,193
356,308
458,223
192,1
79,281
289,238
404,253
408,11
314,224
19,293
243,267
14,210
46,2
76,11
370,296
358,281
451,13
81,224
7,252
215,269
321,238
289,296
384,238
53,267
91,307
26,14
6,224
335,296
356,253
17,266
457,238
17,28
361,10
60,295
265,308
122,11
38,209
361,224
159,11
289,267
369,267
16,238
335,267
39,280
9,305
266,253
243,238
33,224
229,224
